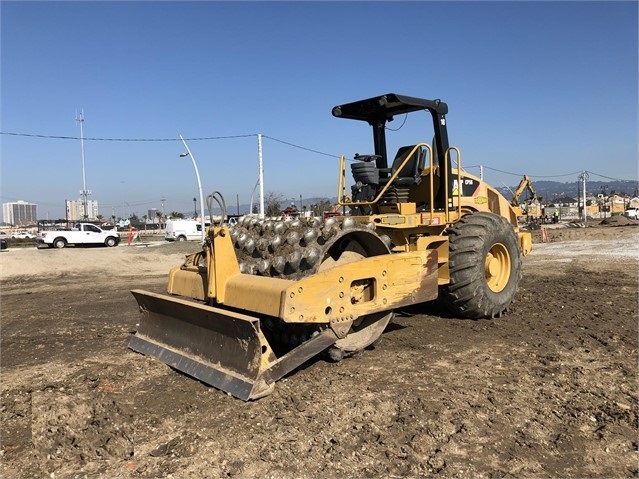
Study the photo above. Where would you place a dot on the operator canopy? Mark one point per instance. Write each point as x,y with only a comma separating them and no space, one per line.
385,107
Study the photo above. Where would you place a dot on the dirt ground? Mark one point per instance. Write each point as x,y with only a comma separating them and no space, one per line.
549,390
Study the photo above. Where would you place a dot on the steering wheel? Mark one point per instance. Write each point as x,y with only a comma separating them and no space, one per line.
366,158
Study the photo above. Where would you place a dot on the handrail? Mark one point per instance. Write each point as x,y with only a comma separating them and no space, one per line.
341,183
459,183
431,187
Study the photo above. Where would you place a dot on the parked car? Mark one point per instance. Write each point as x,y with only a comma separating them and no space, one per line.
632,213
23,235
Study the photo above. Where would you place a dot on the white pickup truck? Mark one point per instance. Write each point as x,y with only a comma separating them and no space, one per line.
80,234
632,213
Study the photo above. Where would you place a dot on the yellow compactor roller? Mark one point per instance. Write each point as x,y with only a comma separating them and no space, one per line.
264,296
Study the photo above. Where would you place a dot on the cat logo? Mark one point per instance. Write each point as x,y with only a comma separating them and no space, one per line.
480,200
467,187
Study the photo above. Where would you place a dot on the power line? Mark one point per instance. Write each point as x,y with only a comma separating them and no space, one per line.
136,203
533,176
248,135
300,147
57,137
203,138
609,178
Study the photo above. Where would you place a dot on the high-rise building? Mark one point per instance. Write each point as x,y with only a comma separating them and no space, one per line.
20,213
75,210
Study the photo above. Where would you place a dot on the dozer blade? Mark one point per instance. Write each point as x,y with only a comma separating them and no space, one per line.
221,348
218,347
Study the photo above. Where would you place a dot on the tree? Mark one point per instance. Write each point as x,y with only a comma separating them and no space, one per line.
158,215
321,207
273,203
99,217
134,218
175,214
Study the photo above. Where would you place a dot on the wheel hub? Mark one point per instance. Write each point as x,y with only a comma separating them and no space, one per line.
497,267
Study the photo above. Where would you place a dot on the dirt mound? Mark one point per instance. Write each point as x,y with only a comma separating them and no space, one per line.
586,232
619,220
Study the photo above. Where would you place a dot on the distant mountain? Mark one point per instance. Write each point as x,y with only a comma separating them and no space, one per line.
550,190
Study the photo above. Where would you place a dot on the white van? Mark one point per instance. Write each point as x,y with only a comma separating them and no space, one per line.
183,230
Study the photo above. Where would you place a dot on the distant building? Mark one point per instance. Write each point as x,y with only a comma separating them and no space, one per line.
617,203
75,210
152,215
564,201
20,213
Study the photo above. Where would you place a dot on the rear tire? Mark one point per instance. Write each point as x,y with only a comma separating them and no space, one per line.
484,264
59,243
181,238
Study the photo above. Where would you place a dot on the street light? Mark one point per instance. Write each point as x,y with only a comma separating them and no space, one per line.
199,183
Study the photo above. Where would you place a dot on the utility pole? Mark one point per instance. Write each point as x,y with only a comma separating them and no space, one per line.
260,174
162,213
80,119
583,177
604,199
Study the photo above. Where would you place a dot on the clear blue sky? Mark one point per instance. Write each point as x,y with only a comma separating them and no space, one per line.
546,89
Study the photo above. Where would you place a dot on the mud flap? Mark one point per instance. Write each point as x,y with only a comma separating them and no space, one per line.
221,348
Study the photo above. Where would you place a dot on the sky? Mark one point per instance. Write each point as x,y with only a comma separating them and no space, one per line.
544,89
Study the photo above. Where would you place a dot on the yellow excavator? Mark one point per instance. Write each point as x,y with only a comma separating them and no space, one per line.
264,296
524,185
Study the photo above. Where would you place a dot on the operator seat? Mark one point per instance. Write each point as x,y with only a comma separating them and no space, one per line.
409,175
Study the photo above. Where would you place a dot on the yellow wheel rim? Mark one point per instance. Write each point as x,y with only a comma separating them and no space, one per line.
497,267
